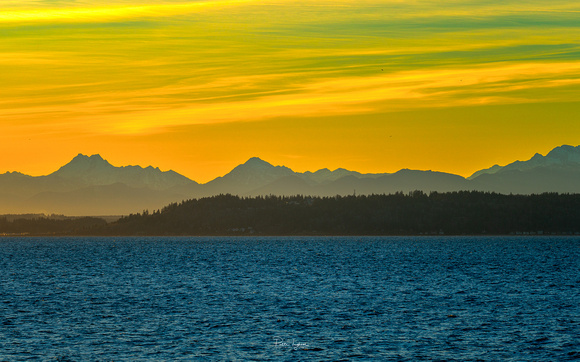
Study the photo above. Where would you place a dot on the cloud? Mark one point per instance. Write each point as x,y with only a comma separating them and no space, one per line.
258,60
110,12
152,110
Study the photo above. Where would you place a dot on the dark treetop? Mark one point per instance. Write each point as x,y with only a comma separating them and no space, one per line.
465,212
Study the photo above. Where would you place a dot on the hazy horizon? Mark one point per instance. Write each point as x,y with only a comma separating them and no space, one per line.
161,168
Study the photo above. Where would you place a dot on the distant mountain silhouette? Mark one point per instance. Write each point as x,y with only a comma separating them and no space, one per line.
286,185
94,170
356,183
560,156
89,185
404,180
252,174
558,171
324,175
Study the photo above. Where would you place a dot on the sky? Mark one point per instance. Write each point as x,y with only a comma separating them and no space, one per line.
373,86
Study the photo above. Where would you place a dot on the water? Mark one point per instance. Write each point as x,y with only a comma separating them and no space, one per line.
290,299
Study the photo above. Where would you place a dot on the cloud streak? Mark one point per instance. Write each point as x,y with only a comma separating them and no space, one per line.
155,109
111,12
141,68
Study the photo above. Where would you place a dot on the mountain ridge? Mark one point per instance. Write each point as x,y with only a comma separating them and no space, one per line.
78,186
94,170
557,156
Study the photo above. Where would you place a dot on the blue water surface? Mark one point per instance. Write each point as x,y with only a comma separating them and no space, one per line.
290,299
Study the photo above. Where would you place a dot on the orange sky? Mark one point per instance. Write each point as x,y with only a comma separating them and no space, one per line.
373,86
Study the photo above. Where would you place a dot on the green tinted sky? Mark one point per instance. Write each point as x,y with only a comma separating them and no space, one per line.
374,86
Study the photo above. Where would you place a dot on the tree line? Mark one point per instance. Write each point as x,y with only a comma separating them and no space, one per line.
452,213
13,225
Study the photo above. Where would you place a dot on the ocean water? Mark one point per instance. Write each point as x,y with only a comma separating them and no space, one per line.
290,299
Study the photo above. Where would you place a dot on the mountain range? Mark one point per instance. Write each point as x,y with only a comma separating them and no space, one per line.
89,185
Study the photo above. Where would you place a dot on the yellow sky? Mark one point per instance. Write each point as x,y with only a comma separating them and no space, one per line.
201,86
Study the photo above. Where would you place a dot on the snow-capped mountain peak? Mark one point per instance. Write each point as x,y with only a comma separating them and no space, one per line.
94,170
560,156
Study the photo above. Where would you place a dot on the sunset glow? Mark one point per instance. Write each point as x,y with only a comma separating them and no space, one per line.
373,86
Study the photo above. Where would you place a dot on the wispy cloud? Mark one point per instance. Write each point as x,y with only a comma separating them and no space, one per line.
111,12
247,60
154,109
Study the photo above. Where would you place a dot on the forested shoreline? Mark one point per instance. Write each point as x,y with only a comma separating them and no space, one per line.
415,213
49,226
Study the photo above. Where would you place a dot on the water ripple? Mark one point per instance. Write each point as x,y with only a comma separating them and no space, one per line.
290,299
